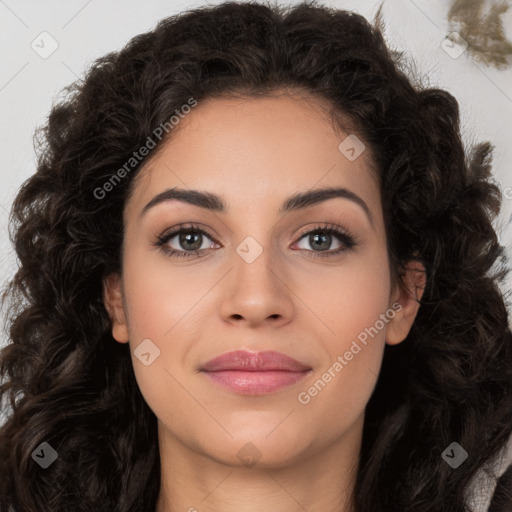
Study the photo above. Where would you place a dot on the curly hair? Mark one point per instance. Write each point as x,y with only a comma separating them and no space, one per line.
67,383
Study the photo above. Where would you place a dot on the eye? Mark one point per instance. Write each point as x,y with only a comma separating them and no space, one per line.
190,240
320,237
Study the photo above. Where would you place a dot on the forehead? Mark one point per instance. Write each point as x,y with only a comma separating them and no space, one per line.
254,151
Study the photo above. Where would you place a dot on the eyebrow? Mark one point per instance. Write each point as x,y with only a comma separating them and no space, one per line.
215,203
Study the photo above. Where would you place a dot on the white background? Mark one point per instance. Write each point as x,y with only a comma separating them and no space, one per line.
86,30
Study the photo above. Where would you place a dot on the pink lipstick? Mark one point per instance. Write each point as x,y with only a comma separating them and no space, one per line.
254,373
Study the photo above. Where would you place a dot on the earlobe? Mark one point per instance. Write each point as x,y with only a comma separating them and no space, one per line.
113,300
408,296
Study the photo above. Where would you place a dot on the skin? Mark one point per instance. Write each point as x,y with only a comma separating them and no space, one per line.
255,153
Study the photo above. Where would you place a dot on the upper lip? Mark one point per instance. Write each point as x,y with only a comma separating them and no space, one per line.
253,362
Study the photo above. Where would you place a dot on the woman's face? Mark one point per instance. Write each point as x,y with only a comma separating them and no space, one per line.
256,284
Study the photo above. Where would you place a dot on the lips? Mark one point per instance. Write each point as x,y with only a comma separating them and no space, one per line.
254,373
243,360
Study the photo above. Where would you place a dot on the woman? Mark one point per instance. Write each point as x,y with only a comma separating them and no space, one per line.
257,272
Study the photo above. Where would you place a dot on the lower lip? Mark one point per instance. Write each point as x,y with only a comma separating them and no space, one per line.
255,383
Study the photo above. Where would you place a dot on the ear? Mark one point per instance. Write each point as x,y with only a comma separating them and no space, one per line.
113,300
406,299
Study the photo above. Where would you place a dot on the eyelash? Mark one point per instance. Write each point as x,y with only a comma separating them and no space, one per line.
349,241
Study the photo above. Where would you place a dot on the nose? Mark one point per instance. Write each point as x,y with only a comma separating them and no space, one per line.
257,291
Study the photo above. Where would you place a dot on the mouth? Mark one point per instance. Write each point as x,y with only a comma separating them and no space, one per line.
251,373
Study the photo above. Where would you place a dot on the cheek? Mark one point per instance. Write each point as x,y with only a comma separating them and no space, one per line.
159,293
343,385
352,299
164,307
353,305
